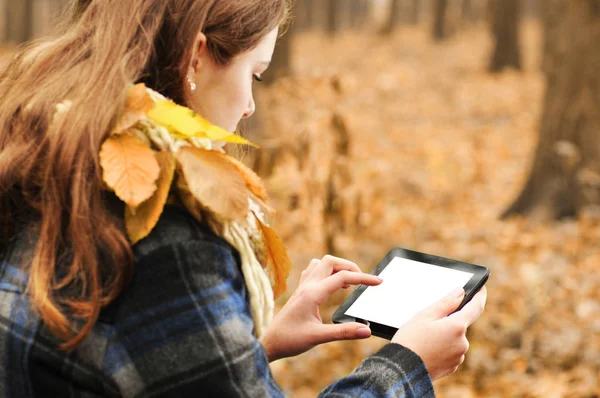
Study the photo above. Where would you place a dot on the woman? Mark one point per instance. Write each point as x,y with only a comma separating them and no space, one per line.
170,299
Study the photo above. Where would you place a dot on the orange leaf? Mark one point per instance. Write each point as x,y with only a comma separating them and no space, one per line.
214,182
138,104
129,168
278,263
253,181
146,216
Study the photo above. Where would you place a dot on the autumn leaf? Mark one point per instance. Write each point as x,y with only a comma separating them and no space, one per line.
185,123
130,168
214,182
265,208
138,104
278,263
141,222
253,181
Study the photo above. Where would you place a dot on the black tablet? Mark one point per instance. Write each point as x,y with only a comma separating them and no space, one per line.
412,281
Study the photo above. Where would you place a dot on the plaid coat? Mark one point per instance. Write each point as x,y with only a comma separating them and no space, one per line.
181,329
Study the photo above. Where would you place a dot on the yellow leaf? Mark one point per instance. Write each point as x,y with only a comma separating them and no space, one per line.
130,168
138,104
214,182
185,123
278,263
140,223
253,181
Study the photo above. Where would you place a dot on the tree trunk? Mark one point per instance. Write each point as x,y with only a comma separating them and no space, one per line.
304,18
357,13
25,19
3,27
393,18
439,19
18,25
281,64
415,12
506,33
365,12
565,177
333,22
532,9
466,11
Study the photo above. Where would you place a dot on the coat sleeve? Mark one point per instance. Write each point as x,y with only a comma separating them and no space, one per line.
394,371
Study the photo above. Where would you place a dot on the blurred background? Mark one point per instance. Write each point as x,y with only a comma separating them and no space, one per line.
463,128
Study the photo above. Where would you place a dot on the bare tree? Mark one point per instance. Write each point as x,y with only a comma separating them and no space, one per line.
23,20
281,64
506,32
305,14
359,10
414,15
393,17
565,177
440,8
532,8
466,10
19,21
333,22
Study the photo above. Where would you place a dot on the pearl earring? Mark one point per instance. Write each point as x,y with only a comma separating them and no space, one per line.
192,84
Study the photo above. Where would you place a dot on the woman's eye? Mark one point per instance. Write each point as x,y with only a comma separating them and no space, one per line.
257,78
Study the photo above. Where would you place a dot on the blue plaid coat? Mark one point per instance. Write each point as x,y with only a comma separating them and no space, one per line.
181,329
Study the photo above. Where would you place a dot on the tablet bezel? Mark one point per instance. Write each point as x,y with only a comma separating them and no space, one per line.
479,278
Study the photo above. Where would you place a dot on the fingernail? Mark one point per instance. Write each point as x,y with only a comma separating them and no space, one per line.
363,332
380,279
458,292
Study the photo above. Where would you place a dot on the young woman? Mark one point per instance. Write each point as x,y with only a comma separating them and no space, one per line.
133,247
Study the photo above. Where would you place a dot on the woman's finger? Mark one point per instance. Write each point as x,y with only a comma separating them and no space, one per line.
331,265
309,269
344,331
445,306
337,281
348,266
472,310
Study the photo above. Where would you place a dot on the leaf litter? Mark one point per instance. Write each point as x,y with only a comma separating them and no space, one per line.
429,151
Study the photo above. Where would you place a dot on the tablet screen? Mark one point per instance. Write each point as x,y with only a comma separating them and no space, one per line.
408,287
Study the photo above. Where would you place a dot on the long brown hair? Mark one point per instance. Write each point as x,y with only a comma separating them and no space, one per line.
49,162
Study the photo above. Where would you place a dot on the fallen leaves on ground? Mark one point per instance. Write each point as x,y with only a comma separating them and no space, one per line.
437,149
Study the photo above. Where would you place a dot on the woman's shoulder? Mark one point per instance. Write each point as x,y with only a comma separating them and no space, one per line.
176,227
182,253
179,259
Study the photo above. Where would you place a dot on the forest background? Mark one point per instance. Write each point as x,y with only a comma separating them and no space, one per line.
463,128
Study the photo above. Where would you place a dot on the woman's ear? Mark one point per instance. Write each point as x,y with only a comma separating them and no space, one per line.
199,54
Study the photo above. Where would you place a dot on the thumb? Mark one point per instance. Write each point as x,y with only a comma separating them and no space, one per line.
446,305
344,331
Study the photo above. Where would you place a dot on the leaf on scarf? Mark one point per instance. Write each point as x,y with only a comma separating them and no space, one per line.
140,222
130,168
253,181
278,264
214,182
184,123
137,105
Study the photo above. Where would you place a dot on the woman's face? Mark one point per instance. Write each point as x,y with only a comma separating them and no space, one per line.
223,94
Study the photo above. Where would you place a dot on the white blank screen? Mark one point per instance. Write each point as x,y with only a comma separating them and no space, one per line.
408,287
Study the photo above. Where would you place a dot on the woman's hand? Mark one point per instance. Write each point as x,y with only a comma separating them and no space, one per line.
298,326
438,335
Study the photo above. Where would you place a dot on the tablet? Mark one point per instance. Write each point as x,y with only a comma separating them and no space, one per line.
412,281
